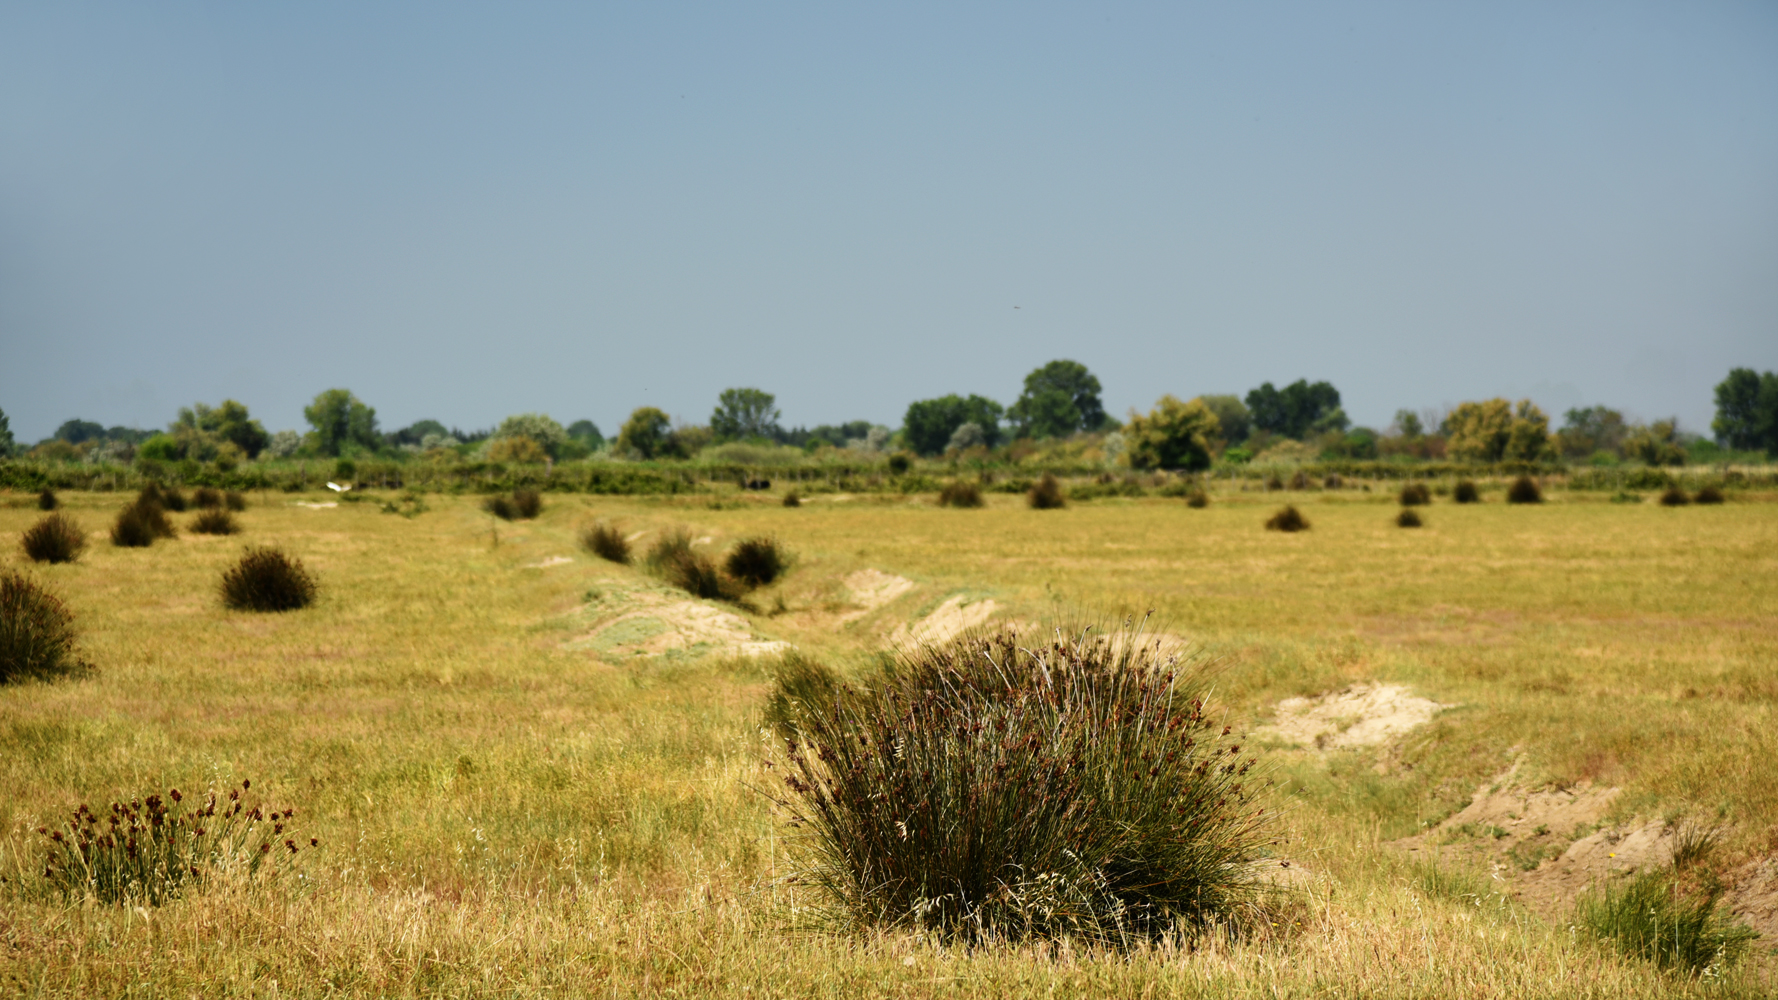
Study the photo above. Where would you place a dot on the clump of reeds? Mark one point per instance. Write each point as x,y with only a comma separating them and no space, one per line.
1654,918
143,520
214,521
1708,495
756,562
1407,518
47,500
54,539
147,851
1288,519
1465,492
606,542
1673,496
996,788
1524,490
169,498
792,500
267,580
1197,499
205,498
37,633
501,507
688,569
1047,494
527,503
961,494
1415,494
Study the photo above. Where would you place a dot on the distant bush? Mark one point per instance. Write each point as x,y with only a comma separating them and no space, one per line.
1674,497
900,463
800,685
55,539
1708,495
756,562
1415,494
205,498
1465,492
1197,499
1273,483
1651,918
995,787
792,500
960,494
215,521
47,500
147,850
1333,482
606,542
173,500
1288,519
1524,490
142,521
527,503
501,507
1047,494
1407,518
37,633
1300,481
267,580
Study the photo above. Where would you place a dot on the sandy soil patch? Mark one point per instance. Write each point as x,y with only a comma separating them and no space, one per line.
870,589
955,616
551,561
1362,715
315,506
651,622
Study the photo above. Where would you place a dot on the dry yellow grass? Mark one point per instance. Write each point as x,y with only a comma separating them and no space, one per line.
506,812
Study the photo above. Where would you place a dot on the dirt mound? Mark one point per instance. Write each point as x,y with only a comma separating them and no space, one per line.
870,589
1753,896
648,621
1362,715
949,619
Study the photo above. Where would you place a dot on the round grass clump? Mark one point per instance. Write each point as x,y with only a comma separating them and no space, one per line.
606,542
1300,481
1197,499
267,580
1415,495
234,501
1408,518
215,521
1524,490
527,504
1708,495
55,539
501,507
171,499
1047,494
1466,492
960,494
205,498
37,632
47,500
1000,788
792,500
1674,497
688,569
756,562
1288,519
141,522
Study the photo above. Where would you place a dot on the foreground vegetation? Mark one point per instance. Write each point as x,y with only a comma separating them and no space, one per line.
501,808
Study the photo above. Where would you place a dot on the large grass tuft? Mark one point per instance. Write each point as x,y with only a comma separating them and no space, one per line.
1708,495
1288,519
1466,492
688,569
1408,518
756,562
214,521
55,539
1046,495
1673,496
36,632
47,500
1524,490
1197,499
606,542
206,498
142,521
1415,495
1000,788
527,503
800,685
960,494
267,580
1652,917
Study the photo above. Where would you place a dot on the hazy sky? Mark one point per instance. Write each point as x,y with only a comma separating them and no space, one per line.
467,211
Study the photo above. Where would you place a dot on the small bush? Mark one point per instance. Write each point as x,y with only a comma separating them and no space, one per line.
1524,490
606,542
756,562
1415,494
1708,495
900,463
47,500
1333,482
1288,519
1046,495
501,507
1674,497
689,570
267,580
55,539
999,788
1407,518
960,494
36,632
140,523
1197,499
147,851
173,500
527,504
1300,481
1465,492
215,521
205,498
1274,484
1653,919
800,686
792,500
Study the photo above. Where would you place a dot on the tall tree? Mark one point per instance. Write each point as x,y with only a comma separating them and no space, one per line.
1297,409
930,423
1173,435
645,433
745,413
1747,411
341,422
1060,399
6,442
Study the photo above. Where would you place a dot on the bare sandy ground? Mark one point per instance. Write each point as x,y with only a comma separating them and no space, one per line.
1362,715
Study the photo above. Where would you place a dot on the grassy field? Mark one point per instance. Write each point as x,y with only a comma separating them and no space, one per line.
513,801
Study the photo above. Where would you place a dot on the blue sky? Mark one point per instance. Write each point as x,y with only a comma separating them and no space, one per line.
466,211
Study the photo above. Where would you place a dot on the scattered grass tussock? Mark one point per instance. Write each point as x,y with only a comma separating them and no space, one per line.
47,500
1466,492
605,541
1415,495
960,494
756,562
55,539
1673,496
267,580
1408,518
214,521
1047,494
37,634
1288,519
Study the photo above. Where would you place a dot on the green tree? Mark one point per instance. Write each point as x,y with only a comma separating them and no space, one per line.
203,427
1060,399
6,442
342,423
548,434
645,433
1591,429
1297,410
1407,425
742,414
1173,435
1494,430
417,432
1747,411
586,432
75,431
1656,444
929,423
1232,415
